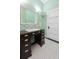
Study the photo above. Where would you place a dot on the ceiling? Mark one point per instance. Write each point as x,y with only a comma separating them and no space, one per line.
44,1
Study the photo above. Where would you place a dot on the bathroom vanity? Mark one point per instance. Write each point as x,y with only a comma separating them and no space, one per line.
32,26
28,38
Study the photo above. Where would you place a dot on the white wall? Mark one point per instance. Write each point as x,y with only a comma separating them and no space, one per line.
53,23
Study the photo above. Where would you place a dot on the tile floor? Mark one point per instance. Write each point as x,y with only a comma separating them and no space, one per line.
49,51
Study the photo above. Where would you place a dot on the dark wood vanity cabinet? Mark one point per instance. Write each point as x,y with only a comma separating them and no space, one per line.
25,42
25,46
40,38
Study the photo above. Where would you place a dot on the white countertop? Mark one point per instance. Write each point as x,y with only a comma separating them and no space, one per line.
30,30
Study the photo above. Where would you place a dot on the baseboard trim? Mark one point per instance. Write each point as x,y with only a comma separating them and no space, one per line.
53,40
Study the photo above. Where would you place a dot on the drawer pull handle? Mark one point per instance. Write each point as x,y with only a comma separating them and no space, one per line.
26,51
26,45
26,39
26,35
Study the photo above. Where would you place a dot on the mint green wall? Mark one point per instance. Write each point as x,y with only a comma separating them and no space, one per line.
51,4
44,22
28,16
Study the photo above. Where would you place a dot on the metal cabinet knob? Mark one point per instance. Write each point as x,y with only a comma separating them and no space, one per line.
26,45
26,39
26,51
26,35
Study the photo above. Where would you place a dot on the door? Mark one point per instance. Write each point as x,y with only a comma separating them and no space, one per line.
53,24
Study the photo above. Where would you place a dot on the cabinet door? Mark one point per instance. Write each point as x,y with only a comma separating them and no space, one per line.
40,38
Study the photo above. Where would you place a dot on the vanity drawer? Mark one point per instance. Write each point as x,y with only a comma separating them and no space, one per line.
25,35
27,49
27,42
27,53
27,46
26,39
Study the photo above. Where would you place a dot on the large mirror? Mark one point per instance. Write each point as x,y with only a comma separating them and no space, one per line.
28,16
